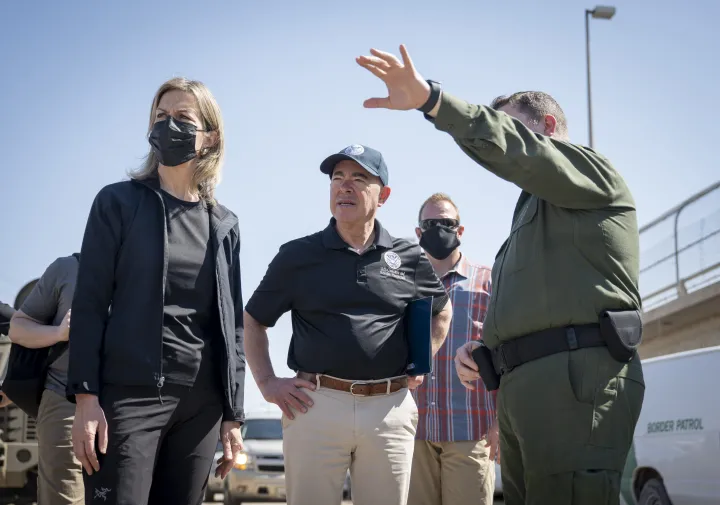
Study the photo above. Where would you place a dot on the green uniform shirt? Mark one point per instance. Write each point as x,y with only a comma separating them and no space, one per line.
573,248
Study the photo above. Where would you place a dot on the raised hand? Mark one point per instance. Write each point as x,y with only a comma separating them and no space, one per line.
407,89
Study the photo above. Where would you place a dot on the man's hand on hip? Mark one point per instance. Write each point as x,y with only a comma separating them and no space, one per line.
287,393
89,422
465,366
407,89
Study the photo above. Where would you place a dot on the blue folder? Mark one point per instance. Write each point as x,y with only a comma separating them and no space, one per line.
418,332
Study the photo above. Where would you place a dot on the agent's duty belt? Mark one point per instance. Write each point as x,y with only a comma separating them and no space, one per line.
618,330
356,387
543,343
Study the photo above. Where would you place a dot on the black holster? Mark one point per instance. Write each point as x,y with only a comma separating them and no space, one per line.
622,332
482,355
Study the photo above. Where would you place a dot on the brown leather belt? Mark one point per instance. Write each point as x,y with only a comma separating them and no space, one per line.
358,387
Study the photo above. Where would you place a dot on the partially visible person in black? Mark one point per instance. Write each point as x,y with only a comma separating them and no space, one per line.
157,365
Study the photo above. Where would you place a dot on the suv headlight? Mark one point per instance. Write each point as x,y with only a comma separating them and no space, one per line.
243,461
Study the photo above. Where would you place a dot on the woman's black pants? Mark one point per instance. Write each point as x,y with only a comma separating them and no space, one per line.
160,448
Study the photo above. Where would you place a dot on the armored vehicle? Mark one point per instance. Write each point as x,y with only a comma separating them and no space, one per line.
18,436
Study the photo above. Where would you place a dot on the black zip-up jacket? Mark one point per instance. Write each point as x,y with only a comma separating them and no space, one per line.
117,309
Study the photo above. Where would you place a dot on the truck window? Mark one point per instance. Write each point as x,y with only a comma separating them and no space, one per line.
262,429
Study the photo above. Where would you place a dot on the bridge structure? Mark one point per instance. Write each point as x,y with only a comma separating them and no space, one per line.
680,276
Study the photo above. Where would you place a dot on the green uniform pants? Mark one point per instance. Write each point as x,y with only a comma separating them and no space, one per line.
566,426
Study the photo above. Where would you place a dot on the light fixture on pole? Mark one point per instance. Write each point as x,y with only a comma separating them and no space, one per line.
599,12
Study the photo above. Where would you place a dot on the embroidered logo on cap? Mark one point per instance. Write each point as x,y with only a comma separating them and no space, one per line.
354,150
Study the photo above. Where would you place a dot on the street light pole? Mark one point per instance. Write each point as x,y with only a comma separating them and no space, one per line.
589,93
599,12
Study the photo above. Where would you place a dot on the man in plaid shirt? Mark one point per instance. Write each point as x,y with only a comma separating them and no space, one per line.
457,434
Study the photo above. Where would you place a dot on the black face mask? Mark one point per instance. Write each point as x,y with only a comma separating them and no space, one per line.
173,141
439,241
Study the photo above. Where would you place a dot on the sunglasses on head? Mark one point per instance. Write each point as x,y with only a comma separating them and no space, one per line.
426,224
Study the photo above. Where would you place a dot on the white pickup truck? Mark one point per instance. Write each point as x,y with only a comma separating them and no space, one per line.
675,457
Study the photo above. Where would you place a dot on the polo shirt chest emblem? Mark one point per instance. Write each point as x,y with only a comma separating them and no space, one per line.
393,262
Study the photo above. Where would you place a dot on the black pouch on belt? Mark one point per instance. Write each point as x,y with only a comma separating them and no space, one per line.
482,356
622,332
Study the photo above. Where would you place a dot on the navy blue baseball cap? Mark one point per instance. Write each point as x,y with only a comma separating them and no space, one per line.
370,159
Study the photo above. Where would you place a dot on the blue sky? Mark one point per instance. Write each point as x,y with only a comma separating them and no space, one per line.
79,77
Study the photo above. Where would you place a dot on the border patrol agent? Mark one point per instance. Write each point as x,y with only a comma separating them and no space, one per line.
563,323
347,288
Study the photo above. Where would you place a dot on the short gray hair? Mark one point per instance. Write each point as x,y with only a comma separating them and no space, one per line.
536,105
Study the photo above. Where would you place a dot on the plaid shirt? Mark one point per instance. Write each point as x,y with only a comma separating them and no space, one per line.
448,411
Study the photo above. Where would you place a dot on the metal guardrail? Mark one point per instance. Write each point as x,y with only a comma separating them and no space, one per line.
681,257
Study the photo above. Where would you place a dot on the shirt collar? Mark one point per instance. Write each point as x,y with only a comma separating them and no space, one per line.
332,239
219,212
462,267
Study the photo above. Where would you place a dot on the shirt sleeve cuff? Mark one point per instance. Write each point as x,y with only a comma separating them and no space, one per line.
438,304
76,389
257,314
237,416
455,115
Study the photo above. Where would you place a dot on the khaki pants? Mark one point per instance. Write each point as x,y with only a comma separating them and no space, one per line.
452,473
60,479
373,437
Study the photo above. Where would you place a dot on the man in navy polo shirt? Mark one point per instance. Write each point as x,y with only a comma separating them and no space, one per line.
347,288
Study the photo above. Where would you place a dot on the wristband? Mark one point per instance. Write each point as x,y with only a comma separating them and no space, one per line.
432,100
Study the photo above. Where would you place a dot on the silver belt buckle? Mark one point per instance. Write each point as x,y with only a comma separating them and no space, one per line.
361,383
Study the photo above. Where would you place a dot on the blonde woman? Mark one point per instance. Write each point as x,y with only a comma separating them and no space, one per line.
157,366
